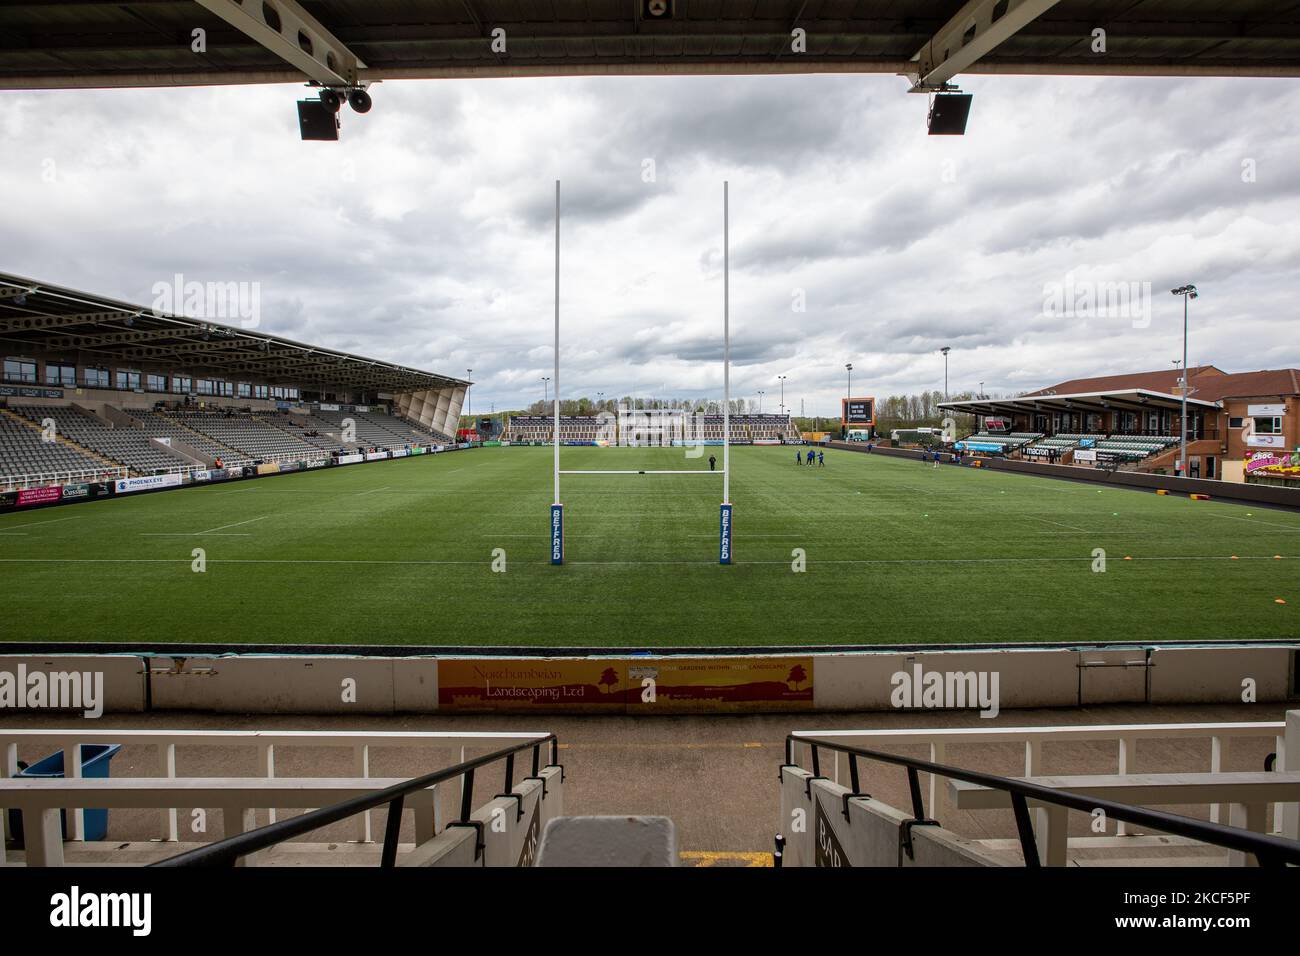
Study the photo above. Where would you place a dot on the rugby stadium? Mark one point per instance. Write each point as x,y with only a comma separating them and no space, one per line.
275,592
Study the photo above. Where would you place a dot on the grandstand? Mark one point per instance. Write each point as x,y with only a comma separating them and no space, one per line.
27,457
652,427
94,388
1133,420
540,429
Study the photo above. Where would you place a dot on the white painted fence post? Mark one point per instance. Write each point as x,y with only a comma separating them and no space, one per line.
169,761
72,771
1127,762
361,766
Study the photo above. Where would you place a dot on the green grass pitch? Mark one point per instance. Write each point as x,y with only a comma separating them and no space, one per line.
401,552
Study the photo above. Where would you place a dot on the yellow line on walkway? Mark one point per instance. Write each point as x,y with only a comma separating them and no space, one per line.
713,857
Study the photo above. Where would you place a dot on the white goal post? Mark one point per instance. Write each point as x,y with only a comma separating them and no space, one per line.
724,516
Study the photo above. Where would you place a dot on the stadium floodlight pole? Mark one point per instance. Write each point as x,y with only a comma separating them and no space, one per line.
469,401
848,394
782,380
945,350
1187,292
761,393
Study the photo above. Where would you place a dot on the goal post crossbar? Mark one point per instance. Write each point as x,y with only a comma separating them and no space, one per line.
639,471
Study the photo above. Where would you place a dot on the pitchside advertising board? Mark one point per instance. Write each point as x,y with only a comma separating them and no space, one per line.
626,685
724,535
125,486
557,534
39,496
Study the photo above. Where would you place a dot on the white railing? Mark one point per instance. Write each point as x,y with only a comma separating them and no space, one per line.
1247,794
166,743
27,480
1126,736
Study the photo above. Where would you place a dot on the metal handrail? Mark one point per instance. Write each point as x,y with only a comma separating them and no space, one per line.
1269,850
227,852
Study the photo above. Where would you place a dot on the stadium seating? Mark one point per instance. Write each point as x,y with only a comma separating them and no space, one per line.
684,426
245,433
1064,442
1009,442
161,425
381,430
1136,447
26,455
534,428
128,446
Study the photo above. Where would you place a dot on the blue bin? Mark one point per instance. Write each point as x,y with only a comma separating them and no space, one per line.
95,759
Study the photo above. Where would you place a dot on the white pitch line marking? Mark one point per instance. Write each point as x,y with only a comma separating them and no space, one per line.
190,534
1271,524
1058,523
372,491
782,563
210,531
235,525
33,524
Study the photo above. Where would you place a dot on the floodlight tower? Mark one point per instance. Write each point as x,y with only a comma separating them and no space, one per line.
781,378
945,350
1187,292
848,394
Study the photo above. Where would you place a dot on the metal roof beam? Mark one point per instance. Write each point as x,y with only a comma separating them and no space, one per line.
976,29
298,38
79,342
32,323
186,348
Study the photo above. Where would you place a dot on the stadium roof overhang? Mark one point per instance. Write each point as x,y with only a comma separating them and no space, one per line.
1132,399
97,43
39,317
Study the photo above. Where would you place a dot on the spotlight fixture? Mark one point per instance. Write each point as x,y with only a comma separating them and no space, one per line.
318,119
948,113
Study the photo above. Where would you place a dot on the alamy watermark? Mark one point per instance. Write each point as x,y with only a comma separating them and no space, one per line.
1086,298
229,302
133,911
52,690
949,690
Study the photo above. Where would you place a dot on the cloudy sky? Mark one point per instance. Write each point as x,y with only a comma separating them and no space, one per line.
425,236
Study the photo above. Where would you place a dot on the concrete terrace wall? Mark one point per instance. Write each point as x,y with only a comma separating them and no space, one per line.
840,681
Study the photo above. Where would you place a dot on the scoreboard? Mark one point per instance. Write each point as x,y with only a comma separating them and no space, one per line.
858,411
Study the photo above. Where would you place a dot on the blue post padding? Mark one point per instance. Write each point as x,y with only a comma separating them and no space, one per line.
724,535
557,534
